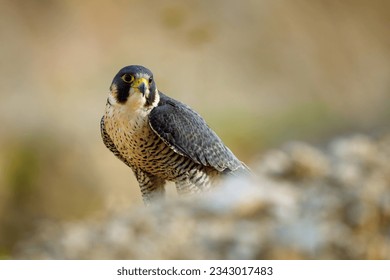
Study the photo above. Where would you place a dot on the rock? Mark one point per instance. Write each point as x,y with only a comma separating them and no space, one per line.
303,204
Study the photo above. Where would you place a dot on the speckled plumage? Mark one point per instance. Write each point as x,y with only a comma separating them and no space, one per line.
160,138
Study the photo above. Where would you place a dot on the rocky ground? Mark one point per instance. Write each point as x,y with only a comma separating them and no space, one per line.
305,203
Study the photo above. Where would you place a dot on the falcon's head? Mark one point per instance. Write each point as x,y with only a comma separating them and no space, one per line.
134,86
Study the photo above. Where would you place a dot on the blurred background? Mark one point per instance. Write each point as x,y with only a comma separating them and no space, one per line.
260,72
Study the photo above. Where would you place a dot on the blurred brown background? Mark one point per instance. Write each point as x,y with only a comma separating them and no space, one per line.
260,72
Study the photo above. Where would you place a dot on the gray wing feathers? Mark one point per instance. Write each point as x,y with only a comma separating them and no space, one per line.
187,133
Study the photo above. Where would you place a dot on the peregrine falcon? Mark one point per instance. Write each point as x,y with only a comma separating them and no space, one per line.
160,138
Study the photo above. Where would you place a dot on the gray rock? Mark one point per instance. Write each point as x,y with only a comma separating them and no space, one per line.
303,204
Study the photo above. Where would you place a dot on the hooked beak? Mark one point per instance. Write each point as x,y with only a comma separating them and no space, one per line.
141,84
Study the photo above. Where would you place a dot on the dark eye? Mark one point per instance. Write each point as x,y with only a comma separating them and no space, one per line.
150,80
127,78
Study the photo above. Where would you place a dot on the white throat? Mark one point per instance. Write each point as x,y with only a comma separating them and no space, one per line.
134,109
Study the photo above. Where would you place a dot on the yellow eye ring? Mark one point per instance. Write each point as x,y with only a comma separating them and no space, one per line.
127,78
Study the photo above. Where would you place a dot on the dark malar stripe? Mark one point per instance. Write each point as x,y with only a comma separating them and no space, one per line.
150,99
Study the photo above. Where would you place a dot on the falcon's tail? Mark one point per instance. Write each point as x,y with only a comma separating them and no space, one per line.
243,170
